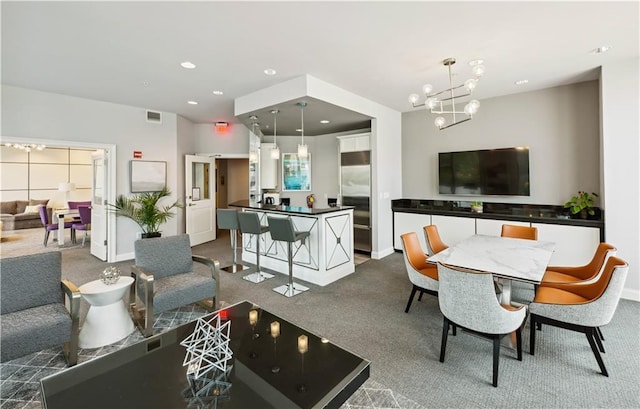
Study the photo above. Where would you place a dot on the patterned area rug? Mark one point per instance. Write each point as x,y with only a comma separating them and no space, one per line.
20,378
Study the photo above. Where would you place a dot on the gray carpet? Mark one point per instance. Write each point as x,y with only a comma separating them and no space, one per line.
364,313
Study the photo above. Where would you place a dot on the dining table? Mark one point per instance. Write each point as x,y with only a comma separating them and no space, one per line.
62,216
508,259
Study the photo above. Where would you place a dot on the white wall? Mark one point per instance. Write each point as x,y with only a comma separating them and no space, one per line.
621,172
36,115
560,126
234,141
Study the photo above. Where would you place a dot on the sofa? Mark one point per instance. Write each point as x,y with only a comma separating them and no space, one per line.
21,214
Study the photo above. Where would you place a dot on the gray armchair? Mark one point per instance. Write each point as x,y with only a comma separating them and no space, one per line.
34,314
165,279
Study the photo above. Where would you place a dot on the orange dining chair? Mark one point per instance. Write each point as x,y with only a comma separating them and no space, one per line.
519,232
581,308
579,274
434,242
423,275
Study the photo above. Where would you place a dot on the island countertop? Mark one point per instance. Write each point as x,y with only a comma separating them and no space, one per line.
289,209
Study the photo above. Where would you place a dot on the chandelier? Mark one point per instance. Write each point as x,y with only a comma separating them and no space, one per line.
275,151
303,150
444,102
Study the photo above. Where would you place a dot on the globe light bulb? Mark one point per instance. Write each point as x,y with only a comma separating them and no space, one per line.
475,103
413,98
470,84
478,70
440,121
427,88
431,102
469,110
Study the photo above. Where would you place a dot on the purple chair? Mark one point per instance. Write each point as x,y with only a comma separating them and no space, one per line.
48,227
76,205
85,222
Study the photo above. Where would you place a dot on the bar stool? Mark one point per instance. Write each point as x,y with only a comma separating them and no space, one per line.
281,229
228,219
250,224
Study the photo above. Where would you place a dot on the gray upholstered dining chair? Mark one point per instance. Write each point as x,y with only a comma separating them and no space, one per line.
282,229
34,313
166,278
468,300
580,307
423,275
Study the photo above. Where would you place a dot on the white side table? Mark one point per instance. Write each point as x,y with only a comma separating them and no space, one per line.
107,320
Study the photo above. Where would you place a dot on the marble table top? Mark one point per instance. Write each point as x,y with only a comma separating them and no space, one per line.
517,259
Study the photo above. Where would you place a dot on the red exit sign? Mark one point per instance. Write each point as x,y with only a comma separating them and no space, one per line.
137,154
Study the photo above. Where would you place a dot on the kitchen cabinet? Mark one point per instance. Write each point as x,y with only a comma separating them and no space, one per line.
268,167
575,245
354,143
454,229
409,222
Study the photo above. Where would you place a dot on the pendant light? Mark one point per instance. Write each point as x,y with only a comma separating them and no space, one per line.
303,151
275,151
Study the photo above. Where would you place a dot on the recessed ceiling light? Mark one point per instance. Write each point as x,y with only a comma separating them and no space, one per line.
473,63
600,50
253,117
299,130
218,92
325,121
145,83
188,64
192,102
270,71
521,82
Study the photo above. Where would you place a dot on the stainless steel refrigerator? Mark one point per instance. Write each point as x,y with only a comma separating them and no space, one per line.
355,190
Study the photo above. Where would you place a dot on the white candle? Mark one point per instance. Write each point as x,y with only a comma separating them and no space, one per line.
303,344
275,329
253,317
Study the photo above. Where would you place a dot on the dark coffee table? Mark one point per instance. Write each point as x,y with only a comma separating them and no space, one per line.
264,373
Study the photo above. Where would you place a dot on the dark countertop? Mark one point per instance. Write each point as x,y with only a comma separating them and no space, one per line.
498,211
290,209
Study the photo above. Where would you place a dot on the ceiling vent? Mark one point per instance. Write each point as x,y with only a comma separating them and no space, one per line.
155,117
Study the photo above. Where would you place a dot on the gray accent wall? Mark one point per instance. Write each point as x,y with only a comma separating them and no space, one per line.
560,126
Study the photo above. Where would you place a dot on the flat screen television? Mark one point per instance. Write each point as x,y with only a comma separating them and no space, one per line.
502,172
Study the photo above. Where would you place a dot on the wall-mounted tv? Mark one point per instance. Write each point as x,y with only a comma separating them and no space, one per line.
503,172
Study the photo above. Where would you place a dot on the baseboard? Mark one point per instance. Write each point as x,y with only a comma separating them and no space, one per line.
377,255
629,294
125,256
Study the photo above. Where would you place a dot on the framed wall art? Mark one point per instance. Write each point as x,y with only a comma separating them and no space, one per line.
296,172
148,176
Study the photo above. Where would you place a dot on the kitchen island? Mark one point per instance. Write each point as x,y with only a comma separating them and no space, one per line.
324,257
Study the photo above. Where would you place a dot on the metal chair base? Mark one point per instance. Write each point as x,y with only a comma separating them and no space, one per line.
257,277
289,290
234,268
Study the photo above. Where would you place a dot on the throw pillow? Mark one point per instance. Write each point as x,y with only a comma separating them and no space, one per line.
32,209
21,205
35,202
8,207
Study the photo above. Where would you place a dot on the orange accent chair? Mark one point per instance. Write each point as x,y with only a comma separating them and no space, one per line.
434,242
581,308
519,232
423,275
580,274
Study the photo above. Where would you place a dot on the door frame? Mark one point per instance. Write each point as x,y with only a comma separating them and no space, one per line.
110,150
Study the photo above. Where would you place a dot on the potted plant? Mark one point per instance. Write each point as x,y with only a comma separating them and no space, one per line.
582,204
143,208
476,207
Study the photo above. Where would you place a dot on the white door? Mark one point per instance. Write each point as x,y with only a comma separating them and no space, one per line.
200,197
99,185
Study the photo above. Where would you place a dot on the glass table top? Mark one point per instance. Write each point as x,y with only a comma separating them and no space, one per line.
264,372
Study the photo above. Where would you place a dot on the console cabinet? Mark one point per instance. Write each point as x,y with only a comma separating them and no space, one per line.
575,244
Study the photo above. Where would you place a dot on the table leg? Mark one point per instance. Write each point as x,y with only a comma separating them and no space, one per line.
60,229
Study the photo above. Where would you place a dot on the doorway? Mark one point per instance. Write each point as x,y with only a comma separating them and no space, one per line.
232,180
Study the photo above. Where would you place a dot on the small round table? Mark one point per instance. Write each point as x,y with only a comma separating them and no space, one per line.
107,320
